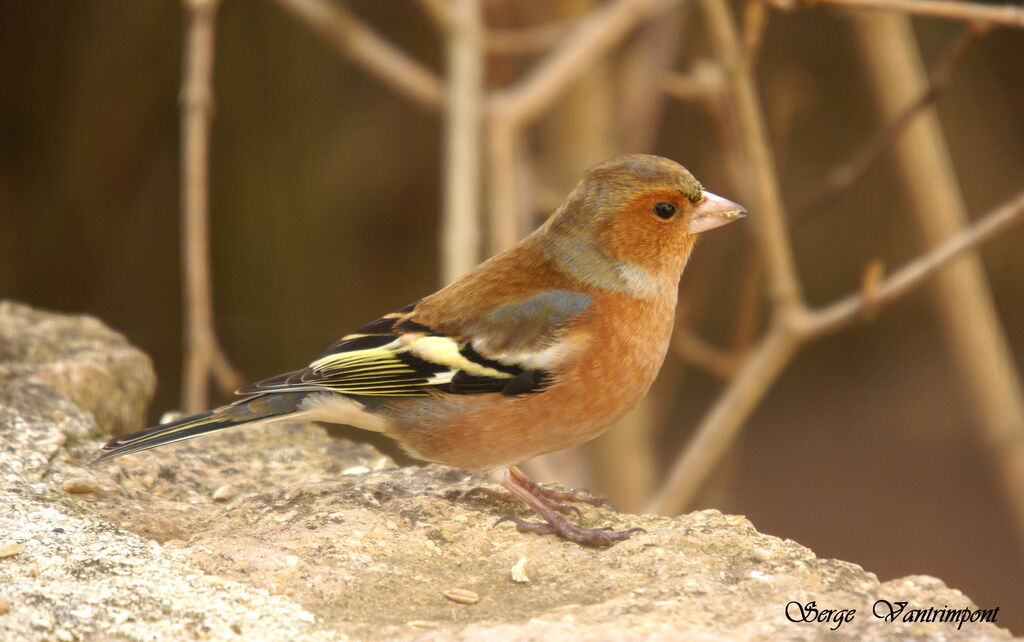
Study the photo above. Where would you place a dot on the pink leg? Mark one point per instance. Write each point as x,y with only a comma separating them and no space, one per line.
525,488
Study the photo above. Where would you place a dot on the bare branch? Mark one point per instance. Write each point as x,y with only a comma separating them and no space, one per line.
504,150
364,46
460,233
527,40
203,354
693,349
594,35
705,80
851,308
1009,15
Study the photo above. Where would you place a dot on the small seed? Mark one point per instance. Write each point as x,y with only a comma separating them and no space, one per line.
423,624
736,520
224,493
10,549
5,606
79,486
462,596
519,571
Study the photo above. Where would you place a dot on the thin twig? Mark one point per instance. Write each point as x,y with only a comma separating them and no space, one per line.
204,356
841,177
593,36
1000,14
364,46
460,229
695,350
851,308
527,40
537,38
705,80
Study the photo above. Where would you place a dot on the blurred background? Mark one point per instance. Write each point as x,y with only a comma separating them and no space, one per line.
327,201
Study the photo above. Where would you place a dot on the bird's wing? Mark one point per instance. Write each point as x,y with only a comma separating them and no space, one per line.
510,349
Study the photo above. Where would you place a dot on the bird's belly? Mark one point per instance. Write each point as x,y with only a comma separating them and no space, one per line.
480,432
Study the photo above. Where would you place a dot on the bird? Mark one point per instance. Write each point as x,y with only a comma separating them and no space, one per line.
537,349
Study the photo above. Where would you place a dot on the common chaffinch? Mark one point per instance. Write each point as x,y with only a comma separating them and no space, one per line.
539,348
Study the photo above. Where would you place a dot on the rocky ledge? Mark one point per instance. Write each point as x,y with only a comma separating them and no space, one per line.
285,533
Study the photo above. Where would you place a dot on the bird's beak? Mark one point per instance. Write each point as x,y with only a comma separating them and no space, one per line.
714,211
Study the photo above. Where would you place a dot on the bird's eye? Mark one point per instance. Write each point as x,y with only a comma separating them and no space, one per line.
664,210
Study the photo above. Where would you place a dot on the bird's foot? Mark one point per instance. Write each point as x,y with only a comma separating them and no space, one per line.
567,530
517,483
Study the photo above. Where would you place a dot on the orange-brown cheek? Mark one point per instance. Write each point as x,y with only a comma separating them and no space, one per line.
636,237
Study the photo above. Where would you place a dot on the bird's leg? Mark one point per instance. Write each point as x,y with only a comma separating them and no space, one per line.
581,495
523,487
557,497
505,496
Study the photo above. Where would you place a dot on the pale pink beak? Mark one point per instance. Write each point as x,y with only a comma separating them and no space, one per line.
714,211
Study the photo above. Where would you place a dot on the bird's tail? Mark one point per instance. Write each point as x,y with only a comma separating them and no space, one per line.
271,407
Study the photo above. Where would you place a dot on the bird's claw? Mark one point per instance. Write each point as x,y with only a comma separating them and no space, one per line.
604,536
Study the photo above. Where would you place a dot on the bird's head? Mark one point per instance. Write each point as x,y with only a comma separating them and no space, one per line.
631,223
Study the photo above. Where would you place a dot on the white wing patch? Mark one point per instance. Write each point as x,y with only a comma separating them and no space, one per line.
545,359
444,351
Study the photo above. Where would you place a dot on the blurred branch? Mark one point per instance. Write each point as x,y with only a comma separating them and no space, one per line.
841,177
204,357
966,311
705,79
593,36
364,46
852,308
460,233
1001,14
695,350
527,40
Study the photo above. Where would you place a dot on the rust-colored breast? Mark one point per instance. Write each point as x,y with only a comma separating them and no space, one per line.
614,354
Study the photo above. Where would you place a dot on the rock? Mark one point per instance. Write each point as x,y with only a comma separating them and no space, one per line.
81,359
299,550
